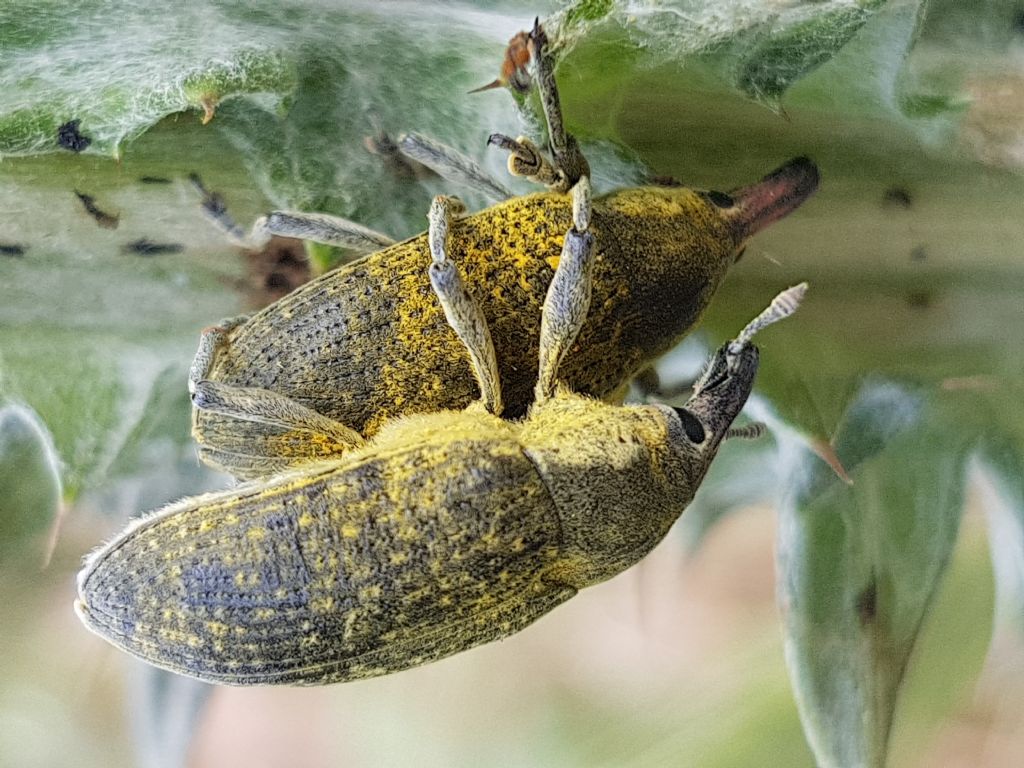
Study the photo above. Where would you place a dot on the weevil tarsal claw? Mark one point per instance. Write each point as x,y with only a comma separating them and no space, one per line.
782,306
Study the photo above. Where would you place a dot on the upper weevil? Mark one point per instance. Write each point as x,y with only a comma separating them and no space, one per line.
312,374
444,531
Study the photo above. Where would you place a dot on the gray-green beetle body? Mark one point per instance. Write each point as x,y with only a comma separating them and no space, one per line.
446,531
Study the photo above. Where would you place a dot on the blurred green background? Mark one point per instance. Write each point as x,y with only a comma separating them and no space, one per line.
905,361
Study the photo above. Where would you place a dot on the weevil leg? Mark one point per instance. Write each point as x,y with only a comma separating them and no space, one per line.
568,297
270,408
463,313
569,159
320,228
451,164
525,159
210,340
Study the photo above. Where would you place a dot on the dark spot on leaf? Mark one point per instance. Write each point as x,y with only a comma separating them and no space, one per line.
867,603
146,247
212,202
101,217
896,197
154,180
69,137
919,299
919,253
12,249
1018,21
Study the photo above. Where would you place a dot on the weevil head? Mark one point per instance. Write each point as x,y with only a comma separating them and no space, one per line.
734,217
619,477
717,400
670,248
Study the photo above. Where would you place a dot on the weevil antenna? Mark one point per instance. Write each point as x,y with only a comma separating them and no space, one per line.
782,306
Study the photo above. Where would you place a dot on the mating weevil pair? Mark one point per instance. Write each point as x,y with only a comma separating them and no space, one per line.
316,372
446,529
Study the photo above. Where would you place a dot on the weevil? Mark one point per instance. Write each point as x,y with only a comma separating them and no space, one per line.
315,373
444,531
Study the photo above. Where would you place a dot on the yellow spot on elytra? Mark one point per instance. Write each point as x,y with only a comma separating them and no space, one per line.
239,578
349,530
408,533
262,614
217,628
553,261
305,520
322,604
398,558
372,592
256,533
206,525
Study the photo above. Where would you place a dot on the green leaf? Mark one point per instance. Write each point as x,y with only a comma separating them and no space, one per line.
1003,494
759,49
119,67
168,714
859,566
1001,481
30,488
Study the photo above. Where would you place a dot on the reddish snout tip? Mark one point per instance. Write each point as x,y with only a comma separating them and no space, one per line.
778,194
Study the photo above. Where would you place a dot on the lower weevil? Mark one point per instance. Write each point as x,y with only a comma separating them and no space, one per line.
444,531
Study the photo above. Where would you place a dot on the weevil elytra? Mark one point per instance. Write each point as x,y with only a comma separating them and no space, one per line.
311,375
445,531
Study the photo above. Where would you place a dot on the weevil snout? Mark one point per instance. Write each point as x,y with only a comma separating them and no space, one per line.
777,195
719,395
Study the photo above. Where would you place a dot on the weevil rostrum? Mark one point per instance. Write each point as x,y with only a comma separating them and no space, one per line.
443,531
314,374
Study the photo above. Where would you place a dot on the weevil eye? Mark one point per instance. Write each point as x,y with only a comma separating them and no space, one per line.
691,425
720,199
